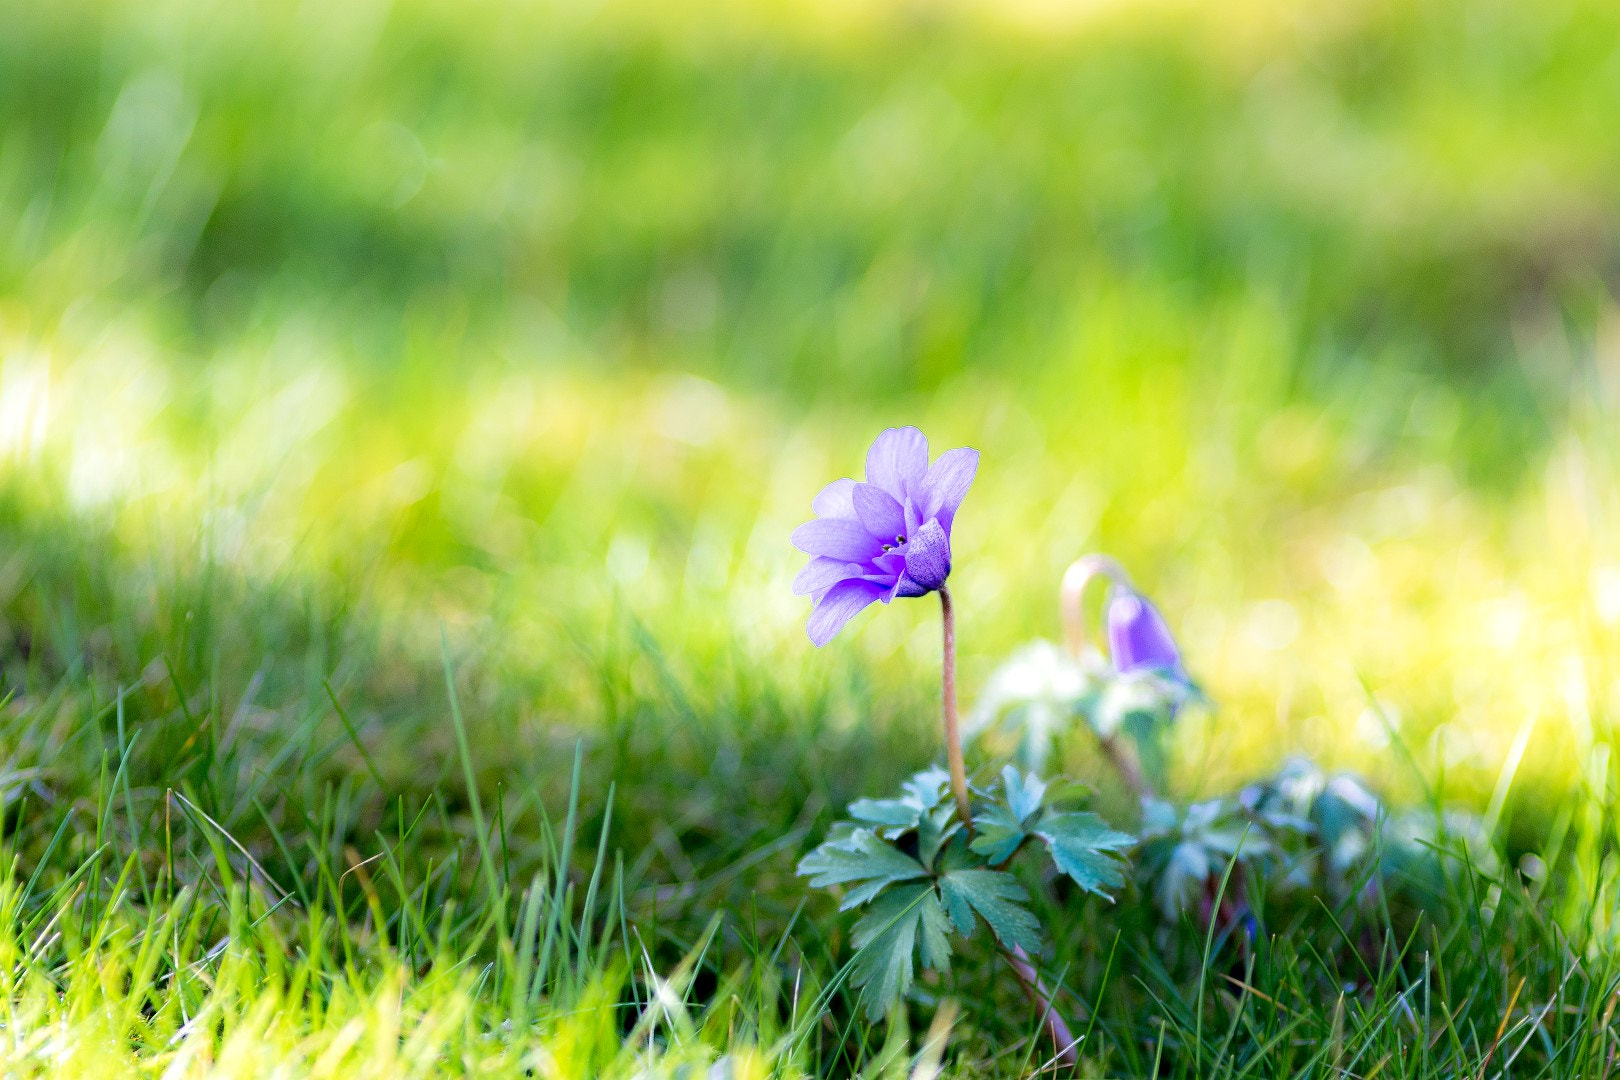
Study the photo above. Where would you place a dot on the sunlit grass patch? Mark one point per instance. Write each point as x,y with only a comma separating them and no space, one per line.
343,344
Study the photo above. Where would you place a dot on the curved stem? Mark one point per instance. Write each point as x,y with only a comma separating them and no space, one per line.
953,734
1063,1040
1125,763
1070,594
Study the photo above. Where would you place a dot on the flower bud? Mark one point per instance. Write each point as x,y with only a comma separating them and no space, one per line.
1138,636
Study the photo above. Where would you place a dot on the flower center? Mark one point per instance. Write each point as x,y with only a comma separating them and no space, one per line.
899,541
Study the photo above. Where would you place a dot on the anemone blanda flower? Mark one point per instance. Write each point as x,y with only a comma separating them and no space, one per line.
1138,636
887,537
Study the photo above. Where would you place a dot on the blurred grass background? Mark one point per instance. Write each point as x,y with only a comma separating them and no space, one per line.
322,325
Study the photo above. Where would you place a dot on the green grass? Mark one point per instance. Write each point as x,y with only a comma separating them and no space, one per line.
341,345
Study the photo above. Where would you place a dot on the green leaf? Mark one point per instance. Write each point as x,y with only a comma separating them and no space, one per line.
1023,794
934,934
935,828
1092,871
885,939
923,792
998,898
859,857
895,812
997,833
1184,850
1084,847
1084,828
1001,826
927,788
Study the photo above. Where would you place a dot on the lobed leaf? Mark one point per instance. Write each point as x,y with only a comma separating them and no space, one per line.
1002,826
997,898
998,833
1084,828
895,812
934,830
1085,848
924,792
860,857
885,939
928,787
1024,794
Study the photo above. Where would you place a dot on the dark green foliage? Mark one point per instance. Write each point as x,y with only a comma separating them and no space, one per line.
885,938
1080,843
1084,847
861,857
997,898
904,916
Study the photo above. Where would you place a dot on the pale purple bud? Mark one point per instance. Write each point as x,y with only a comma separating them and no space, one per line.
1138,636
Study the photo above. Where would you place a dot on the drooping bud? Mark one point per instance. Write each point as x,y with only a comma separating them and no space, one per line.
1138,636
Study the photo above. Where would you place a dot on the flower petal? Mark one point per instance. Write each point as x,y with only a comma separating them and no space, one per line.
906,587
879,512
897,461
1138,636
888,571
890,565
928,557
822,573
837,538
914,520
833,501
840,604
946,484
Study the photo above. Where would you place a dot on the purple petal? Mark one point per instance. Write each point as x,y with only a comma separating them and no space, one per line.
928,557
879,512
906,587
837,538
840,604
946,485
834,500
1138,636
897,461
888,571
914,520
890,565
822,573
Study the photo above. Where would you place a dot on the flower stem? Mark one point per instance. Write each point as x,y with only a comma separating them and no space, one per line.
1063,1040
1125,763
1070,597
1075,579
953,734
1062,1037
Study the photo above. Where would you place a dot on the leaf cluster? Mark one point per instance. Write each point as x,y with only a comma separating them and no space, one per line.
921,876
1300,833
1041,692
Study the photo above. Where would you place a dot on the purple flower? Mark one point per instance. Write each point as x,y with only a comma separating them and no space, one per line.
888,537
1138,636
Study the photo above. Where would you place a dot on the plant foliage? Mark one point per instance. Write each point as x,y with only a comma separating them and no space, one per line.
914,868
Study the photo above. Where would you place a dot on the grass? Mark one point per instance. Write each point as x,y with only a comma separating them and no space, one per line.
345,349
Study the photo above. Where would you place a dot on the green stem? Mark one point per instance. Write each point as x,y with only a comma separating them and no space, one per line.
953,734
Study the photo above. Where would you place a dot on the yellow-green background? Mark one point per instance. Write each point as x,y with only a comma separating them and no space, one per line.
535,320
